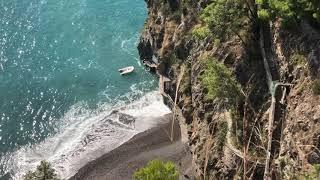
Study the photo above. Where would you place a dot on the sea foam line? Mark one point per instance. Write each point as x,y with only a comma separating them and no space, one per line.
87,138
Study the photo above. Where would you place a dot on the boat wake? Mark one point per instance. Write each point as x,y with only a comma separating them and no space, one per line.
86,136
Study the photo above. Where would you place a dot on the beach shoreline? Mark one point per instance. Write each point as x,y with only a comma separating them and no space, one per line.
154,143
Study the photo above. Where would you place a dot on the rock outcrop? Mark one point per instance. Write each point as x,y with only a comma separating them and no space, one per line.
225,140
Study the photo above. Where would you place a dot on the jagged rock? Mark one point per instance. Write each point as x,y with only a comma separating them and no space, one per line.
145,50
297,118
314,158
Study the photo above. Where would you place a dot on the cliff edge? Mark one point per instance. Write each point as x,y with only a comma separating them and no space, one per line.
243,82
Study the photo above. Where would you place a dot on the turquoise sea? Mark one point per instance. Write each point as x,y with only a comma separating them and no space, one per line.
59,80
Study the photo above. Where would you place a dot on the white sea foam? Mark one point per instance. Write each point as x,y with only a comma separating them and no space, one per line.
85,137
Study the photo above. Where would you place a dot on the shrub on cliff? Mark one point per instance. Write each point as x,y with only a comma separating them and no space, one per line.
289,9
43,172
200,32
314,173
225,18
157,170
219,82
298,59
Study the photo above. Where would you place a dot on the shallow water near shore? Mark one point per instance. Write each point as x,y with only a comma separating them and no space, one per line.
59,81
86,138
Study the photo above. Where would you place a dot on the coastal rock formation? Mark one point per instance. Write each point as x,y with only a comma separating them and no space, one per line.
230,139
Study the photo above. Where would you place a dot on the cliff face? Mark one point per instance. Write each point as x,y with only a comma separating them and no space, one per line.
229,141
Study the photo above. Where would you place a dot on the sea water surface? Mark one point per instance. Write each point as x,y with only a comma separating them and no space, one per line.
59,81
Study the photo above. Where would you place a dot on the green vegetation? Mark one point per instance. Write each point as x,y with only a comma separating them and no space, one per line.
201,32
157,170
264,14
43,172
289,9
219,82
224,18
314,174
217,42
316,87
298,59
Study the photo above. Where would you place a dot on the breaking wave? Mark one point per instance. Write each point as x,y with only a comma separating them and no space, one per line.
85,136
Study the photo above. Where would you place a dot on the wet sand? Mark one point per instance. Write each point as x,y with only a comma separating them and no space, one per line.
154,143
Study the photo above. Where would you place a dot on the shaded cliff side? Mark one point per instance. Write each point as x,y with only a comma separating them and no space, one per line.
275,69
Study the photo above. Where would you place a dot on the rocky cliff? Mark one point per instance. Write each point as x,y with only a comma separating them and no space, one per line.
261,122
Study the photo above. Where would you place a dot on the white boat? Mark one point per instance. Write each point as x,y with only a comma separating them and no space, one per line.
126,70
